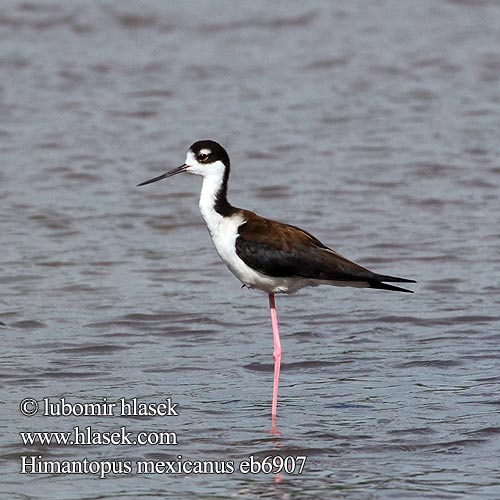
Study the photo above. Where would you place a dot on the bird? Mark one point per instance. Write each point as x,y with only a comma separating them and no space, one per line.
266,254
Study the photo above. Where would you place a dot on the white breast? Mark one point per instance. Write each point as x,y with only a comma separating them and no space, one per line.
224,231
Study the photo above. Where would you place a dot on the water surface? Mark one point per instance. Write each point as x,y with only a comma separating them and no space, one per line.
374,125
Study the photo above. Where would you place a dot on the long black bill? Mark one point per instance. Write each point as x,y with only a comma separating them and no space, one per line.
175,171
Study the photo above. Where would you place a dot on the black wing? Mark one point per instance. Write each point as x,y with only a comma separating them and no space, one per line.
281,250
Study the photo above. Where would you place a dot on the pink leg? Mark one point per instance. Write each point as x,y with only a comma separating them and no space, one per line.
276,354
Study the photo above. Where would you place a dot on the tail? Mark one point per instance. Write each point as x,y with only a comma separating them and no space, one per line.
378,282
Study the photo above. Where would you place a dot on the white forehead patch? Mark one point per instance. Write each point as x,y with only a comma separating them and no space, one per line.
190,159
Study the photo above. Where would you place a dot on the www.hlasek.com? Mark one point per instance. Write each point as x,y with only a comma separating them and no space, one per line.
87,435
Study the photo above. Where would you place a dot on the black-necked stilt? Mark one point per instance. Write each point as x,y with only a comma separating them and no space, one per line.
266,254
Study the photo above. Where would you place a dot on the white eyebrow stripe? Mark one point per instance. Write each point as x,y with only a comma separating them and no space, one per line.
205,151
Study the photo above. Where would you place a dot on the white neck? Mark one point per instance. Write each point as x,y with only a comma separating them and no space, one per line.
211,186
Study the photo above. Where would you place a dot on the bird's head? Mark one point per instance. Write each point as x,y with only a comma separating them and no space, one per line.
205,158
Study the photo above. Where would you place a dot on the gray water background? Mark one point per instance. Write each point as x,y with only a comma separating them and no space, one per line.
373,125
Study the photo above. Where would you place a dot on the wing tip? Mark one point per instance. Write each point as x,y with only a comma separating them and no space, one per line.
393,279
384,286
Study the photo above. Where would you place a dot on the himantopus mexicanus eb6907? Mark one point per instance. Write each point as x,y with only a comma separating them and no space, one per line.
266,254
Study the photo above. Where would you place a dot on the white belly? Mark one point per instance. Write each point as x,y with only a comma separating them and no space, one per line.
224,237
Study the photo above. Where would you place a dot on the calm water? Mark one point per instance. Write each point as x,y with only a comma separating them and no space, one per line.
373,125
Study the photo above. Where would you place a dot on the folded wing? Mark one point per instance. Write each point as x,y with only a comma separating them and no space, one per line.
282,250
